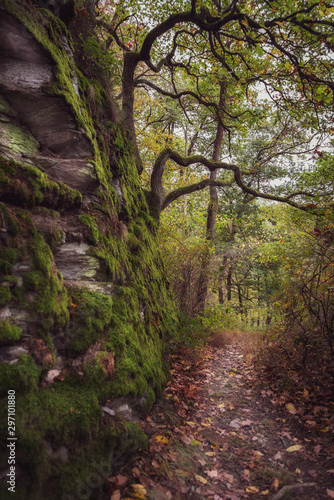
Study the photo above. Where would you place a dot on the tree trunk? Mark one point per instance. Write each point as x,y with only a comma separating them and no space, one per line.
204,278
128,98
229,284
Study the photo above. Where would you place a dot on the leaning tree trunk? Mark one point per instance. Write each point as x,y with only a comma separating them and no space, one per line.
204,278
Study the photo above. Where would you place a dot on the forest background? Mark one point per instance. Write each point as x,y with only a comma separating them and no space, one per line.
230,111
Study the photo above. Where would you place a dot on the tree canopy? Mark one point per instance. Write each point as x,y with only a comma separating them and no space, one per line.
274,61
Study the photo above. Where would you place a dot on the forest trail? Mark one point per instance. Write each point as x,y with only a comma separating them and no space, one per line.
220,433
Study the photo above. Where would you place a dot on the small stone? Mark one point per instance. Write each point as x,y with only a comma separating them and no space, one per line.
108,411
52,374
235,424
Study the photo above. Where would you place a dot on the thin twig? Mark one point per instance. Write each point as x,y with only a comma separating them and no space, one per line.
290,487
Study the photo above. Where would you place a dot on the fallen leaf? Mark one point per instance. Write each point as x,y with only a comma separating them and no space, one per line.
325,429
229,478
118,480
212,473
221,405
186,439
192,424
116,495
330,493
317,448
275,483
252,489
257,454
265,492
295,447
161,439
245,423
278,456
298,471
291,408
139,491
155,464
194,442
201,479
210,453
136,472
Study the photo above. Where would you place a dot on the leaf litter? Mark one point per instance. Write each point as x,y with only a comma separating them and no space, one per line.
222,432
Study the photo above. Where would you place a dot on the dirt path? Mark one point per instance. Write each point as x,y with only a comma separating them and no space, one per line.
220,434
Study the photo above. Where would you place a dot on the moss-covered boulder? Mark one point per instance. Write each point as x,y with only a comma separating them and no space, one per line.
85,312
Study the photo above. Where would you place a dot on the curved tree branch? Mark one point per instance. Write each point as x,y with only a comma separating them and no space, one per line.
192,188
157,195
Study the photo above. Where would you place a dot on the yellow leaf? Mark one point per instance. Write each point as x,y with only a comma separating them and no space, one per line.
275,483
257,454
161,439
265,492
192,424
221,405
325,429
291,408
201,479
295,447
205,425
139,491
252,489
210,453
298,471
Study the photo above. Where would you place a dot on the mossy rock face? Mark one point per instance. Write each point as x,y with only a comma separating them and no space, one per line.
85,312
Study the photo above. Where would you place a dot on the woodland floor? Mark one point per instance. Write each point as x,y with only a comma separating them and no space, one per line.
221,433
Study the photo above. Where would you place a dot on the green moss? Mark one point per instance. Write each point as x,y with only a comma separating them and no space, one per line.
9,332
5,295
28,186
92,224
7,258
11,224
68,416
99,369
21,376
9,279
51,301
91,314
